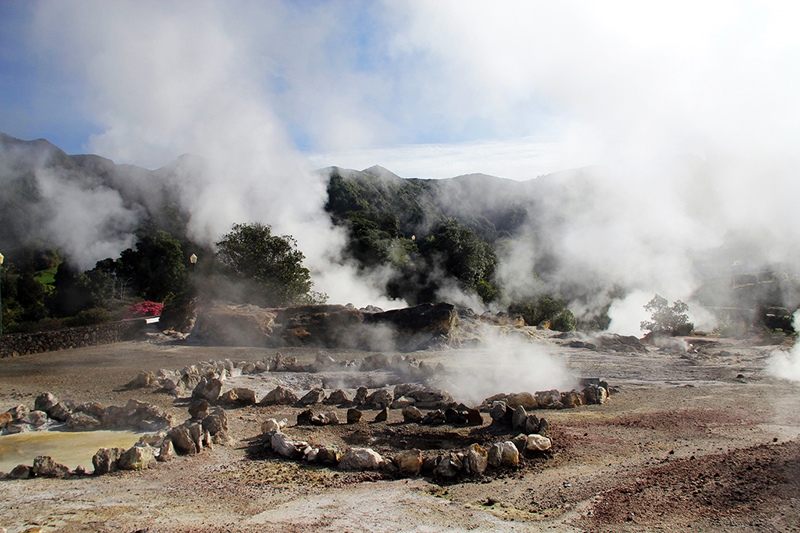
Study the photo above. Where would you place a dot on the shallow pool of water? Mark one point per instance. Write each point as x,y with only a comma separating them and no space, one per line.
71,448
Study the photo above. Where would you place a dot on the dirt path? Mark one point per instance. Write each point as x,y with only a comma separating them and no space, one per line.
693,440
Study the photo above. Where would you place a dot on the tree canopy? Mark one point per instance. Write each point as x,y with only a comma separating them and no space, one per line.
269,266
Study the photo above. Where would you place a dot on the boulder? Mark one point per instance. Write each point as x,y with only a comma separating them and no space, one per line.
215,422
35,418
383,415
418,327
337,397
208,389
411,414
44,402
58,412
380,399
21,472
500,413
354,416
142,380
166,451
284,446
182,441
239,396
409,462
531,424
82,422
477,459
449,466
361,396
105,460
314,396
550,399
137,458
359,459
571,399
519,416
402,402
327,455
234,325
524,399
270,426
474,417
503,454
537,443
595,395
279,396
198,409
45,466
433,418
321,325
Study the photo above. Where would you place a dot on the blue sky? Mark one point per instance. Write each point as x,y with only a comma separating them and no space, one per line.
429,89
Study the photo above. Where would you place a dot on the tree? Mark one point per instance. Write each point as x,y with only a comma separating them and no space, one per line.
545,310
156,267
463,254
667,320
268,266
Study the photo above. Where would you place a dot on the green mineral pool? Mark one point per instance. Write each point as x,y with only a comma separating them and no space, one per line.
71,448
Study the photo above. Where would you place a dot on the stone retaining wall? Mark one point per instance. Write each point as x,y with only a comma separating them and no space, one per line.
17,344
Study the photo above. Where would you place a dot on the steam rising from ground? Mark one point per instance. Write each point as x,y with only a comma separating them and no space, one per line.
631,87
786,365
505,365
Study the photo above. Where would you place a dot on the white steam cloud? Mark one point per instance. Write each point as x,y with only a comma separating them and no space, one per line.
688,110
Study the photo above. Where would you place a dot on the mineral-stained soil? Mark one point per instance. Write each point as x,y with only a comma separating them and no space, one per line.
701,440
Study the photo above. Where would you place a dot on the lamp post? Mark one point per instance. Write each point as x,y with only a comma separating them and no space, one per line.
1,295
193,260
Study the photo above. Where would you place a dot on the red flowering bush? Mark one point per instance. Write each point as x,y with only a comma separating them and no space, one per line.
145,309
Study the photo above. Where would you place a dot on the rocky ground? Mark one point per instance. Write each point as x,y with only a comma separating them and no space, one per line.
698,437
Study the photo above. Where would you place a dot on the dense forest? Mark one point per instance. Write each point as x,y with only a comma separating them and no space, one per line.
433,239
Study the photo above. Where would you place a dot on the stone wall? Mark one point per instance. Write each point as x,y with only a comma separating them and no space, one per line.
17,344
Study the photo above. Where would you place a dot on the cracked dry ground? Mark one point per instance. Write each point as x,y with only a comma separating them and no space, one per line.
701,441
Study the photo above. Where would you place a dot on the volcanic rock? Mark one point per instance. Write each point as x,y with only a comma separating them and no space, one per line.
401,402
142,380
313,396
35,418
380,399
216,421
105,460
409,462
21,472
417,327
337,397
520,441
519,417
279,396
284,446
537,443
234,325
531,424
477,459
359,459
550,399
327,455
304,417
411,414
45,466
182,441
199,408
572,399
383,415
595,395
208,389
524,399
474,417
449,466
82,422
354,416
503,454
166,451
321,325
361,396
44,402
137,458
433,418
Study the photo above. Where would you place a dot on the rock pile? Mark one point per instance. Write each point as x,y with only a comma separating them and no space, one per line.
207,427
472,461
205,379
48,411
594,392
